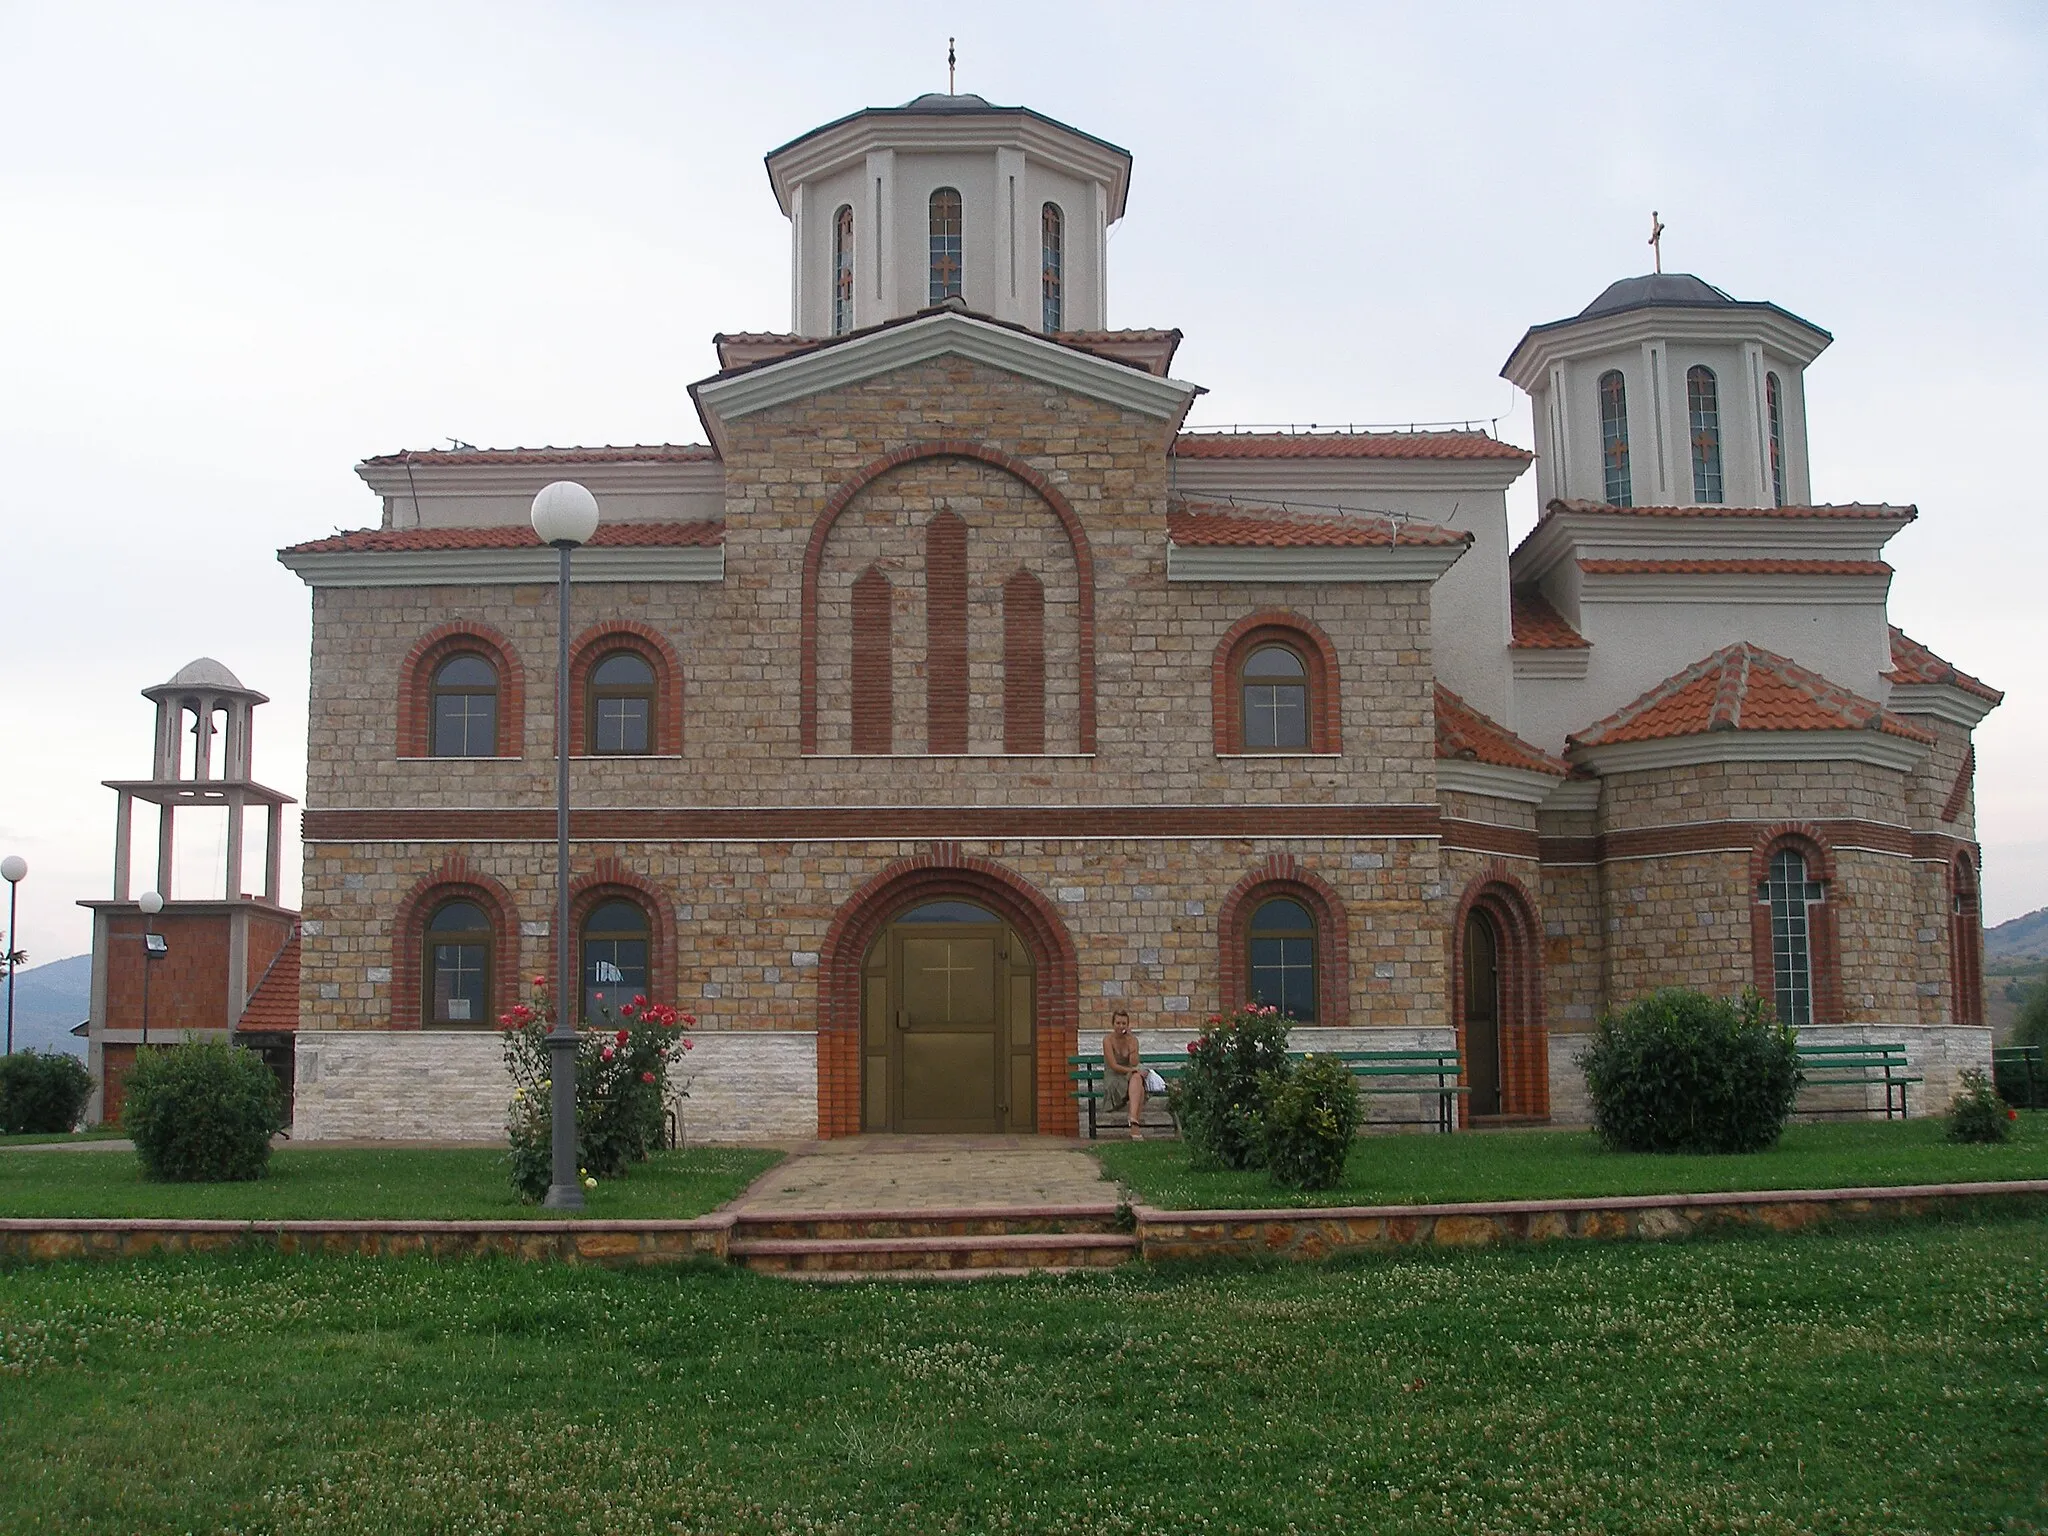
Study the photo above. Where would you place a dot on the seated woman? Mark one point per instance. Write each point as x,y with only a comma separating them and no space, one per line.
1124,1073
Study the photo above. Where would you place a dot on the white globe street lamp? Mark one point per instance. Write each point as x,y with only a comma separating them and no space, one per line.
564,515
14,870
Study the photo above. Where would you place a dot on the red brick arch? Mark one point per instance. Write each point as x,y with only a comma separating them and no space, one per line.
610,878
1965,939
416,679
1524,1038
944,448
1284,875
944,873
1824,948
455,879
1306,639
652,646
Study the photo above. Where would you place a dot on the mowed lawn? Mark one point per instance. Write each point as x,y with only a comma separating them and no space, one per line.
1858,1382
1535,1165
402,1183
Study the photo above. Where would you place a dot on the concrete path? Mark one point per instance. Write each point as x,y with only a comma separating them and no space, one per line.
80,1145
928,1173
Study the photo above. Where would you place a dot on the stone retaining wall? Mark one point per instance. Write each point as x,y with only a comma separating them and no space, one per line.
570,1242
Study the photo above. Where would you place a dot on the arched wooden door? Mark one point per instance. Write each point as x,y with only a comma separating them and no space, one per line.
1482,1014
947,1037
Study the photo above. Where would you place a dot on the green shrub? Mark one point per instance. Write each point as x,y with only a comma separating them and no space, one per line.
1219,1100
1311,1116
42,1093
1977,1113
1679,1071
2031,1026
202,1112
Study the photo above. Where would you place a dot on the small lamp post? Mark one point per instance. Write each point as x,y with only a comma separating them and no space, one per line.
13,869
154,947
564,515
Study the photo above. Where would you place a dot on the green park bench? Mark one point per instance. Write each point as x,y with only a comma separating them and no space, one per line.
1420,1073
1856,1065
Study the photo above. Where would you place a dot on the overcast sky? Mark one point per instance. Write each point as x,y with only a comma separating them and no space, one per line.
241,248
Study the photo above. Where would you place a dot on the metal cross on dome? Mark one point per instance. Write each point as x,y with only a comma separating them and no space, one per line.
1656,241
951,60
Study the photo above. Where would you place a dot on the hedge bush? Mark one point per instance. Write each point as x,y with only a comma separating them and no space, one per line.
1679,1071
202,1112
1977,1113
42,1093
1219,1099
1311,1115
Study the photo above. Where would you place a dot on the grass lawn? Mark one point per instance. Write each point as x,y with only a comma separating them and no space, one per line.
44,1138
1855,1382
1531,1165
307,1182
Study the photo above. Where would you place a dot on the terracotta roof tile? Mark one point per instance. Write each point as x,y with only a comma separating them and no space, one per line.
1198,524
512,536
1346,445
1735,568
645,453
1912,662
1872,511
1744,688
1463,732
1539,627
275,1002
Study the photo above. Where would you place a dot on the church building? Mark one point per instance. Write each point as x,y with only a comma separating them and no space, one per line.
952,693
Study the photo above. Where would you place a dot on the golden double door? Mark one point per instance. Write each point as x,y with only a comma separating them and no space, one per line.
947,1044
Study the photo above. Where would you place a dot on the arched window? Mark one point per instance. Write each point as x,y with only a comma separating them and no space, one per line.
1275,692
614,967
465,707
1052,265
1614,437
1791,893
842,270
622,704
1281,962
1703,406
945,224
458,966
1775,408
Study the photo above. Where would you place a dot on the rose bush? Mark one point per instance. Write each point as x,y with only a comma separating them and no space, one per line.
1219,1101
621,1086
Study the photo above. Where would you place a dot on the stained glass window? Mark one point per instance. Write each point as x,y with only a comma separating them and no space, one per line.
1052,251
1775,409
1703,405
945,224
1614,437
842,270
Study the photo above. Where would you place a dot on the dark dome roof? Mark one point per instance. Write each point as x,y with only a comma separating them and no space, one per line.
939,101
1656,290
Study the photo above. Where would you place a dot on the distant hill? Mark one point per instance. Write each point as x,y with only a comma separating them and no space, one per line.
48,1001
2019,938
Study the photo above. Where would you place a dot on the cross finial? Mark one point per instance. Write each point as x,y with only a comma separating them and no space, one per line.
1657,238
951,60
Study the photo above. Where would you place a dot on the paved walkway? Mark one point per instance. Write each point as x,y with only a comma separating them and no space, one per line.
925,1173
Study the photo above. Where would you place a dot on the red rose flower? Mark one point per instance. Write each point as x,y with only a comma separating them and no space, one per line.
623,1037
646,1077
1194,1046
689,1045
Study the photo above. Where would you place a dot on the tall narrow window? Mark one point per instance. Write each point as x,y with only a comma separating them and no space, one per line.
614,958
1776,410
1791,894
873,657
465,708
1052,265
1614,437
1283,959
1275,701
945,646
842,270
458,958
1703,405
945,221
621,722
1023,663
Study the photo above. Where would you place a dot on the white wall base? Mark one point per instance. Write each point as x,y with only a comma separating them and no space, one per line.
749,1086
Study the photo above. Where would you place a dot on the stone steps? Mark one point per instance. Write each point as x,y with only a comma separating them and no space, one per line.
957,1243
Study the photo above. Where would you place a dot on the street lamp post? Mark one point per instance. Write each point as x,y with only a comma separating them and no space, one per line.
13,869
564,515
153,945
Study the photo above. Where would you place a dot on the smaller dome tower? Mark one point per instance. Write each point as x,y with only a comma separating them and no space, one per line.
1665,391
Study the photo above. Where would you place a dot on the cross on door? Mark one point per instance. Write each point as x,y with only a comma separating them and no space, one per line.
949,970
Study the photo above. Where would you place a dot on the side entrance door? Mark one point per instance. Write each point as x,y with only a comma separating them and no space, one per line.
1482,1014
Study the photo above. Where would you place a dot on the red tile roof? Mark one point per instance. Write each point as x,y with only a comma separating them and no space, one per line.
1744,688
1539,627
645,453
1872,511
275,1002
1463,732
1735,568
512,536
1346,445
1208,525
1912,662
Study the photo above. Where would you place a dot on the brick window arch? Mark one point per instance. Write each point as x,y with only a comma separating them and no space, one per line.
1284,878
1499,900
600,643
611,881
1966,940
1256,641
412,945
416,687
1795,950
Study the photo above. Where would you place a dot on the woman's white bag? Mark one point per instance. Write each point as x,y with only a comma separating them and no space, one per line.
1154,1083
